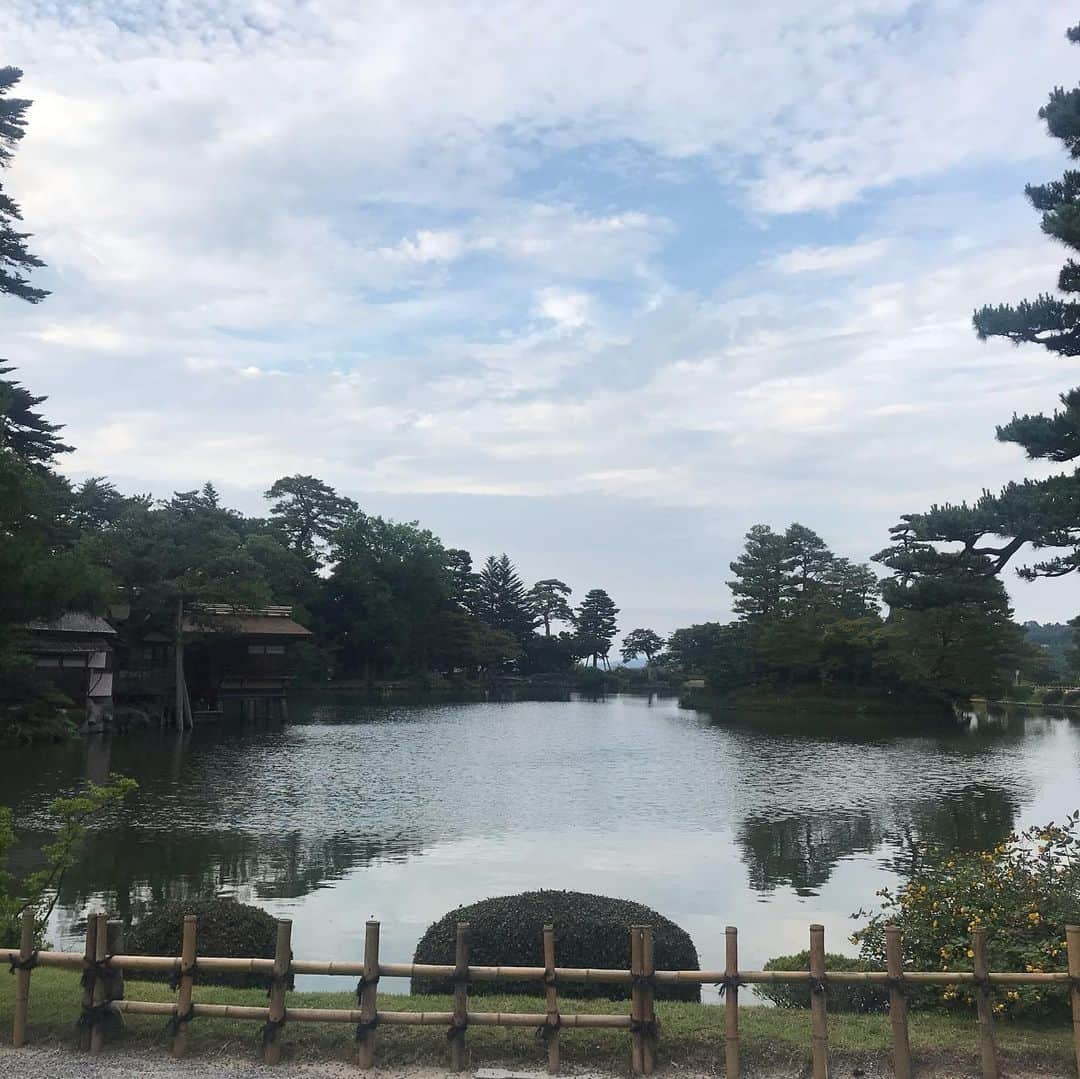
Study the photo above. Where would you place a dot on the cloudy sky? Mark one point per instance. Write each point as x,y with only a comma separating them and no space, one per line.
601,285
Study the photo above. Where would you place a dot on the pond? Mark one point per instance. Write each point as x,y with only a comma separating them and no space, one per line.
352,810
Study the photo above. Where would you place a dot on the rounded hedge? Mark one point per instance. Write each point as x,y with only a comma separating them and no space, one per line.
590,931
842,998
225,928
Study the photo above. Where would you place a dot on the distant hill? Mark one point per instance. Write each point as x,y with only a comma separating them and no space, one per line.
1056,640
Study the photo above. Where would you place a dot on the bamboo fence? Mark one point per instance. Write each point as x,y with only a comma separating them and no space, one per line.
103,992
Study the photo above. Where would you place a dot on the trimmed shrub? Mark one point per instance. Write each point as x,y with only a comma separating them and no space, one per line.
1052,696
842,998
590,931
226,928
1072,697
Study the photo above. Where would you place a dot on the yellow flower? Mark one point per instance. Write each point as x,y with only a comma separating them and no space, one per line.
971,954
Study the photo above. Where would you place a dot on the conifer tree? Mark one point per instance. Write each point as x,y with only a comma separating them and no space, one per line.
596,624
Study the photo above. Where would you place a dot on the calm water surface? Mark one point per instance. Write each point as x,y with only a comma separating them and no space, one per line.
353,810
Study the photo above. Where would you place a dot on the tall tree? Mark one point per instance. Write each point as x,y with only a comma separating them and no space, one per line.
15,259
641,642
309,512
596,624
549,601
1045,513
23,429
762,574
502,601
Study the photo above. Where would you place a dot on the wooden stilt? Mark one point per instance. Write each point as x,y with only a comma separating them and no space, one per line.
818,1013
894,961
985,1005
637,1003
461,999
22,980
187,982
101,938
648,1008
278,987
731,1003
89,955
369,1012
1072,943
552,995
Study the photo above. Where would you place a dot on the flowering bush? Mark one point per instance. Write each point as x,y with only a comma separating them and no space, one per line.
1023,892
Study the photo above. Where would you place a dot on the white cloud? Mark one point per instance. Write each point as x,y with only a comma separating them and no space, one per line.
834,259
568,310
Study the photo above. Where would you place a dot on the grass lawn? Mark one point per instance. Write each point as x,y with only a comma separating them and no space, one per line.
691,1034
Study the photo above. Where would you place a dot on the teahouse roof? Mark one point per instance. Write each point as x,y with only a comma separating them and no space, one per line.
265,622
73,622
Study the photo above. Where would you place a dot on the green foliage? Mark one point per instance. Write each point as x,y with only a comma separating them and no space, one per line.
72,817
842,998
641,642
1022,892
549,599
309,512
225,928
596,625
590,931
15,259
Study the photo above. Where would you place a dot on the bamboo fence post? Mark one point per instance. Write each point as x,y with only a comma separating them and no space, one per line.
1072,945
461,999
101,940
985,1006
731,1002
648,1003
551,1031
22,982
894,961
818,1016
637,1009
187,981
369,1007
89,955
276,1018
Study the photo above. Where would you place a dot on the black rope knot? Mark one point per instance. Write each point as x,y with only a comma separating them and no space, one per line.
550,978
898,983
18,963
984,986
817,985
94,969
362,983
460,977
93,1014
649,1027
178,1019
270,1030
549,1028
366,1026
457,1028
729,981
643,981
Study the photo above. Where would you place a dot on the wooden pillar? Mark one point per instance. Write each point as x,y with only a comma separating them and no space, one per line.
187,981
88,979
731,1003
461,998
894,962
1072,944
22,979
985,1005
648,1042
818,1013
369,1010
101,938
552,994
282,962
637,1003
114,977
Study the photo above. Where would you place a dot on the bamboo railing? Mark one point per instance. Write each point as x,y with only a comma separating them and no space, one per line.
102,992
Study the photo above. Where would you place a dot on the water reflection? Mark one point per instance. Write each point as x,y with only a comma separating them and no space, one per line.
404,812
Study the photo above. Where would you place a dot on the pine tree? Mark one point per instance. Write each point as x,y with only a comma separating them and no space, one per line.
15,259
596,624
309,512
641,642
1044,513
762,574
502,601
549,600
23,430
